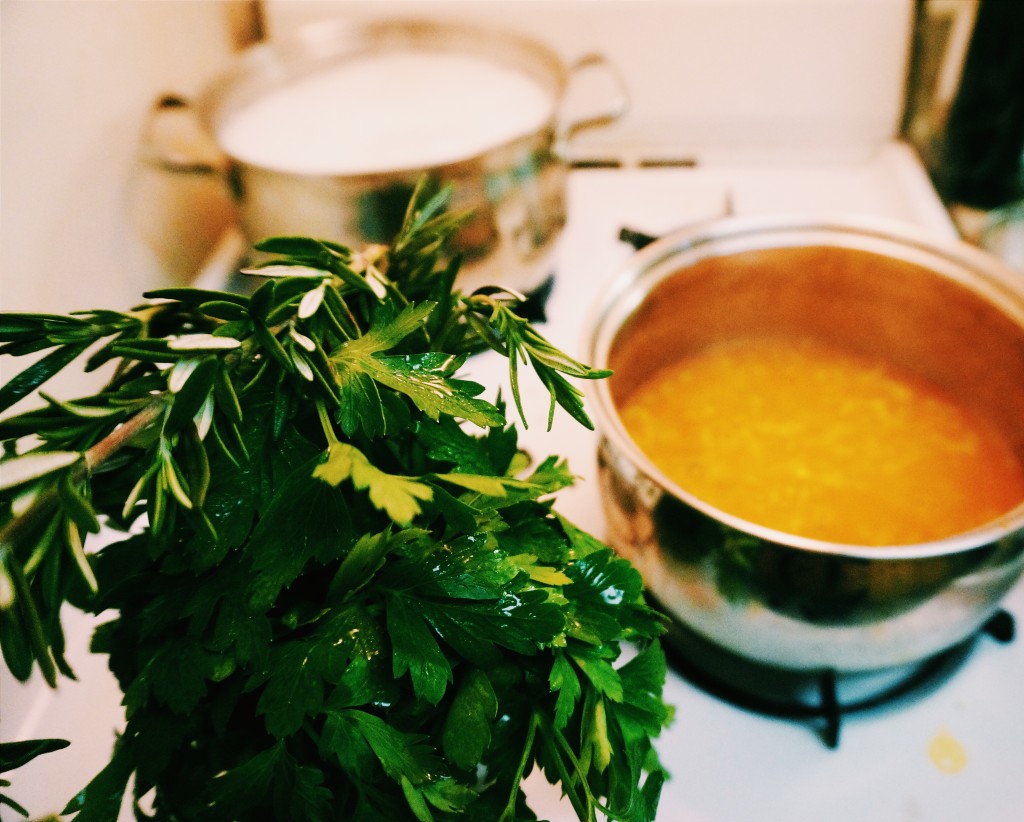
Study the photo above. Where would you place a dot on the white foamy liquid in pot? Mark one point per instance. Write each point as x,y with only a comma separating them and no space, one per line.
385,112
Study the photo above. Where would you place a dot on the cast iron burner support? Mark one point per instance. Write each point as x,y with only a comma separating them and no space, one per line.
1000,627
637,239
828,710
640,239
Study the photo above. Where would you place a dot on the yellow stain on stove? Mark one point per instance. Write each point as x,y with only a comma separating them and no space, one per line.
946,752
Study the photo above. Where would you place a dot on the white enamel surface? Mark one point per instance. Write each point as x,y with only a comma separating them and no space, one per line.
709,79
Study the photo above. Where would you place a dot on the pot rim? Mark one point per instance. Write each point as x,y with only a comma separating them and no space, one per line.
988,277
267,65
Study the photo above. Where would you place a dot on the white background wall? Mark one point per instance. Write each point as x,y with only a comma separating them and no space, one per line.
78,77
815,79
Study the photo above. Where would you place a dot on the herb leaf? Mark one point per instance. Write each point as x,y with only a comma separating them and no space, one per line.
344,592
398,496
416,651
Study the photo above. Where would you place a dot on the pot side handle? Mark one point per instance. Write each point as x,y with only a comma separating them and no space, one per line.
174,140
616,107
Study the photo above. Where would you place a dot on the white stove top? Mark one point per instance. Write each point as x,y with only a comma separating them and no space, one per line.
952,755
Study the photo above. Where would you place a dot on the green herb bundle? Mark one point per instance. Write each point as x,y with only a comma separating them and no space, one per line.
341,590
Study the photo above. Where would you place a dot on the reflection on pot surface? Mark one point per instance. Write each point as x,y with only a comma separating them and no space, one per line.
947,314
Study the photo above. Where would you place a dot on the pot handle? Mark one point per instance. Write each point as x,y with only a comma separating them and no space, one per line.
616,108
174,140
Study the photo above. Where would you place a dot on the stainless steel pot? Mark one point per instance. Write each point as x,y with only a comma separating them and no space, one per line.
516,189
942,310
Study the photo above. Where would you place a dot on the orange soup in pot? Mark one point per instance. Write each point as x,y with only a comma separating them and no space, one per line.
813,441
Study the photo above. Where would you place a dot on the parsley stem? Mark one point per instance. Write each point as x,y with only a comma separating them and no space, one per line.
567,780
531,733
450,324
325,423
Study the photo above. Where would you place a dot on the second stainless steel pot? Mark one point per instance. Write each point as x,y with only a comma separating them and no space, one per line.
515,189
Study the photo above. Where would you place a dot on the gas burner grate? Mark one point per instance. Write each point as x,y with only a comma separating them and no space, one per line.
820,699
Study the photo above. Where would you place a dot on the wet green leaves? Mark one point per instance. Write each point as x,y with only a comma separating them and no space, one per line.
345,593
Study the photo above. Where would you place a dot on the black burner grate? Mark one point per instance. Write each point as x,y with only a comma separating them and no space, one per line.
819,699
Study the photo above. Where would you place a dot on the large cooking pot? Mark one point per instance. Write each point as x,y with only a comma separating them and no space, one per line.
514,185
943,311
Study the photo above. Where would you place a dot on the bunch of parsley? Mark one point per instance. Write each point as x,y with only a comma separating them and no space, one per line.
341,590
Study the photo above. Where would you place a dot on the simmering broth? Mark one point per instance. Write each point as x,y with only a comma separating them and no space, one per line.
812,441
